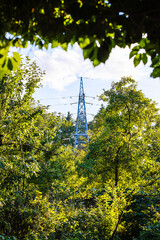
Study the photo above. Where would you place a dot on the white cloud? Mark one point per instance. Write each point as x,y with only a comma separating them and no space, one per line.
63,67
119,65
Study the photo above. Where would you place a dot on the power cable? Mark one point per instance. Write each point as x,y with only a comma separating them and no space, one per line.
43,99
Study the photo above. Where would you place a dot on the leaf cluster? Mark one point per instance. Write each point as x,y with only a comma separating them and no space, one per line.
97,26
49,190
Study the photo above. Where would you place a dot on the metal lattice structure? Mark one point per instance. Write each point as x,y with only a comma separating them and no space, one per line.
81,136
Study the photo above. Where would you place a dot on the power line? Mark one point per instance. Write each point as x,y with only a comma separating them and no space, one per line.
43,99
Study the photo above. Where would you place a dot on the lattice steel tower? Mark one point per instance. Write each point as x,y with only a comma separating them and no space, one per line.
81,136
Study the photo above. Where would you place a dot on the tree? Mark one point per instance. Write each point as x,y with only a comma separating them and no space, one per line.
97,26
48,190
65,136
23,211
123,162
36,171
121,131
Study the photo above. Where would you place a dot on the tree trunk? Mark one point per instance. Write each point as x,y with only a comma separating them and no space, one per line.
117,167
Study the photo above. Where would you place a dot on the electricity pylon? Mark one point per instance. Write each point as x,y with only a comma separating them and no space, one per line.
81,136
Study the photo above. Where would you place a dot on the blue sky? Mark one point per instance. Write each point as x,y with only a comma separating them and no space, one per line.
63,69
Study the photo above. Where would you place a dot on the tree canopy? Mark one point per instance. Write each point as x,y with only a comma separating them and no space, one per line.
96,25
121,133
50,190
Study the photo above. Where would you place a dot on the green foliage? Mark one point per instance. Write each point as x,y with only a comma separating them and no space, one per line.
23,210
97,26
120,157
26,215
36,171
141,213
118,147
66,132
148,50
48,190
8,63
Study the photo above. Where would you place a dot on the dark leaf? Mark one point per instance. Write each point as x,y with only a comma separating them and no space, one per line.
156,72
9,64
4,63
144,58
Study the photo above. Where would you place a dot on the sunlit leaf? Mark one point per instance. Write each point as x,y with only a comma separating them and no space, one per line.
137,59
